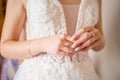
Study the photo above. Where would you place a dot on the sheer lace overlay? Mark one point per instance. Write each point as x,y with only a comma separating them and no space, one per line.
46,18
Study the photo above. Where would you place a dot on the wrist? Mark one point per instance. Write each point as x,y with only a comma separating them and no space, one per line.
101,46
36,47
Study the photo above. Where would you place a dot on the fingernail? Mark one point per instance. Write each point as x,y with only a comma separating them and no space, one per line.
77,49
73,46
72,38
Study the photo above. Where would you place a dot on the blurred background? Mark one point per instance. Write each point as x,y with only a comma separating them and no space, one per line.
107,61
2,12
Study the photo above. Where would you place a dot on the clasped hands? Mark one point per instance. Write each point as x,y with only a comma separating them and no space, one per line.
83,40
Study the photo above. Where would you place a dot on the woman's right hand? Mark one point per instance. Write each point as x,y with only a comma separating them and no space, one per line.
58,44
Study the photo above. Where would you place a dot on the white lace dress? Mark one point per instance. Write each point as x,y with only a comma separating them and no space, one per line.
47,18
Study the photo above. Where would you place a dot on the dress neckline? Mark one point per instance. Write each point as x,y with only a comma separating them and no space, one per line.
61,7
70,5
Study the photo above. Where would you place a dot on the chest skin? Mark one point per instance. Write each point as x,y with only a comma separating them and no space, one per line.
70,1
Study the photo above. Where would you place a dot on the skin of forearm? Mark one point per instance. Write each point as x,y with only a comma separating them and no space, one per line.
99,28
100,47
20,49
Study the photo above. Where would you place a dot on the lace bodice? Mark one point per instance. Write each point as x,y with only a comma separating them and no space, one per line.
47,18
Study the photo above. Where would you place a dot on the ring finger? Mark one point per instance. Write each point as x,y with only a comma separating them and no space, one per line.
84,38
67,43
66,49
89,42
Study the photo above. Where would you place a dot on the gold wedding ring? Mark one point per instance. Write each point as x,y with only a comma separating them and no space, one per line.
92,34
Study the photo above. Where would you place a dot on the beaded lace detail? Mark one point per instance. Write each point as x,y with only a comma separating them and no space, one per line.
46,18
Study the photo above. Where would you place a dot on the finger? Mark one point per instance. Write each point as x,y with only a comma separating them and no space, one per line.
87,48
83,39
67,43
66,49
68,38
82,50
77,49
62,53
89,42
93,45
81,31
65,37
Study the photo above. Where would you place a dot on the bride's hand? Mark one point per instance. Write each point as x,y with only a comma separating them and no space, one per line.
58,44
88,38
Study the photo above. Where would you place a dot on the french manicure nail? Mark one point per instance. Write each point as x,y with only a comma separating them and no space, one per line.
77,49
72,38
73,46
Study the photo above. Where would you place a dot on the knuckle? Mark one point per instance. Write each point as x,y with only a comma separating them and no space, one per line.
83,34
69,50
66,49
96,31
68,44
95,38
91,40
88,35
78,42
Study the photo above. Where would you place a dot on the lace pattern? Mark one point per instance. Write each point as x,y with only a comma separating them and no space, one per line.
46,18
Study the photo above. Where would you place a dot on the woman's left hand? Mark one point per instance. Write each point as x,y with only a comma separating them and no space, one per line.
88,38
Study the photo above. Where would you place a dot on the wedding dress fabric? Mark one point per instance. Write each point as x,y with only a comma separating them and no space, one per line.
47,18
